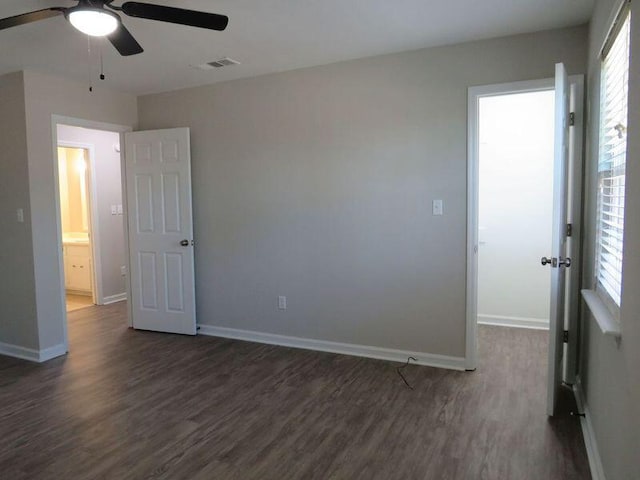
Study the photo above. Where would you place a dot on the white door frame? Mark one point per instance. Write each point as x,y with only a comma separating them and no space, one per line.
94,232
109,127
574,217
575,172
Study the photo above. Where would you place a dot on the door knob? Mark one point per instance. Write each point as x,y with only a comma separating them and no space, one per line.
566,262
184,243
553,261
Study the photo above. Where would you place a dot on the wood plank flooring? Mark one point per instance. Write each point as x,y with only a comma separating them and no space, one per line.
128,404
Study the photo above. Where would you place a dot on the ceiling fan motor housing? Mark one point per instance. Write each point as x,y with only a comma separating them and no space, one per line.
99,18
92,20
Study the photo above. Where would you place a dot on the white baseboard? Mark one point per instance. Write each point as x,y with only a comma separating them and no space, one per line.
32,354
517,322
19,352
590,442
120,297
80,293
52,352
427,359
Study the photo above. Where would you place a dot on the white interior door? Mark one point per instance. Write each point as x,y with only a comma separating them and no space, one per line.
558,261
158,182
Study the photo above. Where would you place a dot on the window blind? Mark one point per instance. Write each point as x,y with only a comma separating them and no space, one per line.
612,160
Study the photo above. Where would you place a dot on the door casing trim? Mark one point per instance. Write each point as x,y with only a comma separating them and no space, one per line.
90,124
575,203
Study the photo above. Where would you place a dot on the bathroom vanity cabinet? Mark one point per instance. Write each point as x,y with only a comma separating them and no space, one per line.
77,267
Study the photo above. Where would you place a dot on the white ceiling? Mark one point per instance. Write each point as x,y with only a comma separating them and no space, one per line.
271,35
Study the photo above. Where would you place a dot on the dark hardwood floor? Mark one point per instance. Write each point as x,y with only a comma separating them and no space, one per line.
128,404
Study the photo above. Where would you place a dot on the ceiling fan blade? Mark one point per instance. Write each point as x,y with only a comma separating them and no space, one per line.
30,17
212,21
124,42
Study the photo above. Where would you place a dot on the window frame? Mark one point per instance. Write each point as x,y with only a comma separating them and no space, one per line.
621,19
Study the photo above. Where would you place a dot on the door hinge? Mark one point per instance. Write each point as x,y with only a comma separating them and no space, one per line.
565,336
572,119
569,229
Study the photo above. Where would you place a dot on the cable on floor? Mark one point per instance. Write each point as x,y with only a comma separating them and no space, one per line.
399,370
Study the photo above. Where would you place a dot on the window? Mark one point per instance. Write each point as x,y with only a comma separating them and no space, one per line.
612,160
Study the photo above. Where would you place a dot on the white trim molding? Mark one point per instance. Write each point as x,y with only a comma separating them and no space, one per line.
426,359
604,318
474,95
514,322
79,122
119,297
590,443
32,354
52,352
19,352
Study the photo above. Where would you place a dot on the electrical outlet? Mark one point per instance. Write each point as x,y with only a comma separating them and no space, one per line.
282,302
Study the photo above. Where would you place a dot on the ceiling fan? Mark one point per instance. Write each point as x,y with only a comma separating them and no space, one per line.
99,18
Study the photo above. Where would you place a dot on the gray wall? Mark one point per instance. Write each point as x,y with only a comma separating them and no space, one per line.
46,95
610,372
18,324
108,192
317,184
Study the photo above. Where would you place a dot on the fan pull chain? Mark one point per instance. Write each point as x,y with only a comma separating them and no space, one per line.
101,61
89,62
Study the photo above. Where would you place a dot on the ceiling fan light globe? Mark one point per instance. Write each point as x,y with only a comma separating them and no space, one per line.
94,22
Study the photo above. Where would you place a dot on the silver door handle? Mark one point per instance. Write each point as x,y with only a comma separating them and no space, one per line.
184,243
547,261
566,262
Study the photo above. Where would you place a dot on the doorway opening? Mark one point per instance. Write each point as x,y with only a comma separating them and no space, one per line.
77,235
514,182
515,207
92,232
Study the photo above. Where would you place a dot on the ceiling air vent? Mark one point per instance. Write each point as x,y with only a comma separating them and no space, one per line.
223,62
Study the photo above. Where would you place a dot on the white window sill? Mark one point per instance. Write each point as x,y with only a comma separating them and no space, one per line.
605,320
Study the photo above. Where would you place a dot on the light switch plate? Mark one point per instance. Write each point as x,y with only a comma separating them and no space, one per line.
20,215
438,207
114,209
119,207
282,302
